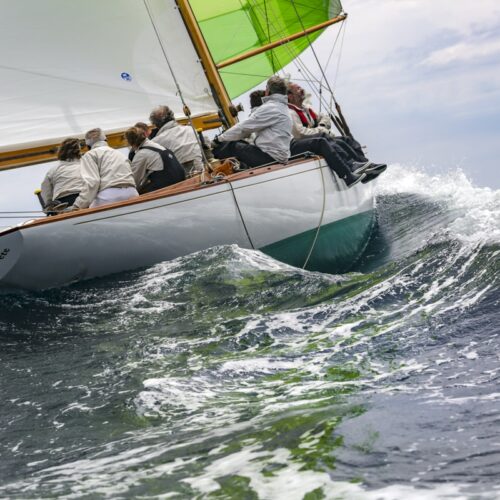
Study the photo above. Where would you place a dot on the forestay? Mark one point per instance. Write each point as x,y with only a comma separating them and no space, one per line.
70,66
234,27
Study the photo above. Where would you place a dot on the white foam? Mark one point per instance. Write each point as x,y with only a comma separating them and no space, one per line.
259,365
477,209
292,482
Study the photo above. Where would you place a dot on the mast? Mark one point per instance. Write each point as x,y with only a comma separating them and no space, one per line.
218,89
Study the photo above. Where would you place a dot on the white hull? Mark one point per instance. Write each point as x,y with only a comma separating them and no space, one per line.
255,209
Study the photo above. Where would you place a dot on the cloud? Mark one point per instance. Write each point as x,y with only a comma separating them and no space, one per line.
466,51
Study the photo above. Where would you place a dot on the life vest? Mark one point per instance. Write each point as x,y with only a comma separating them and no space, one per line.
307,116
172,172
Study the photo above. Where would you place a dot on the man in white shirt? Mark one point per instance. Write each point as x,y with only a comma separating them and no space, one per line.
105,172
180,139
272,125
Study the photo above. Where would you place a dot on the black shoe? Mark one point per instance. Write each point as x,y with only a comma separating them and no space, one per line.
352,179
357,167
370,176
377,168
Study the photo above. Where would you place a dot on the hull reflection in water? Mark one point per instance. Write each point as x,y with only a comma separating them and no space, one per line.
301,214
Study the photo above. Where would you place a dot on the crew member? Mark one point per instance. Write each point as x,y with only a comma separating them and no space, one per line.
308,123
147,133
106,174
180,139
153,166
272,126
63,182
256,99
312,133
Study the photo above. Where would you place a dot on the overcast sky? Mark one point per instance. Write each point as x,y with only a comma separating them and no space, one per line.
419,82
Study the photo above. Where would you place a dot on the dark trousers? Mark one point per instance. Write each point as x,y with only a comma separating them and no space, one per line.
351,148
69,199
326,148
162,178
250,155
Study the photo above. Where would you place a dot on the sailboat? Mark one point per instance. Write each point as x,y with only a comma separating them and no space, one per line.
68,67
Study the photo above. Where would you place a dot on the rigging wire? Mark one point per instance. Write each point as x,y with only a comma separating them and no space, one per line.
179,91
341,31
312,49
303,69
282,32
343,28
269,37
320,223
339,121
326,67
301,66
263,11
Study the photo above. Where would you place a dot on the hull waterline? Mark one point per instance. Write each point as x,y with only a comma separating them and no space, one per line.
301,214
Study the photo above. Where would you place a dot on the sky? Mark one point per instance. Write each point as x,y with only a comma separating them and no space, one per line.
418,80
420,83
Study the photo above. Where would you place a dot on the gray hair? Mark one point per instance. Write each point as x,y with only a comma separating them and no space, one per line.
161,115
93,136
276,85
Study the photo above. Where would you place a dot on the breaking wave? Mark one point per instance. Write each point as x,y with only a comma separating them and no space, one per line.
226,373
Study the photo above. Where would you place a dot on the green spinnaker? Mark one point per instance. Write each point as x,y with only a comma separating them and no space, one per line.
234,27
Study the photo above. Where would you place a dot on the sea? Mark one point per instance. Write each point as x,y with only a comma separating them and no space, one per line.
226,374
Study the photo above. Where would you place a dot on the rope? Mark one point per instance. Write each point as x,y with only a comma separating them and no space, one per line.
185,106
241,215
312,49
321,217
310,78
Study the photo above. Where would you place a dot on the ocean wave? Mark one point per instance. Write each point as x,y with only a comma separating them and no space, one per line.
470,214
226,372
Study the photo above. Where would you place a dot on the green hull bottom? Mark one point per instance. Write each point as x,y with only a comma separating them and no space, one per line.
337,248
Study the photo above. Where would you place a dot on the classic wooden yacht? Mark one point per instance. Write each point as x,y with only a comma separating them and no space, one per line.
72,69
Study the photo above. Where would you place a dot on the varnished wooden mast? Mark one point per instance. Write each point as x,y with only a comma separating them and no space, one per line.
208,63
283,41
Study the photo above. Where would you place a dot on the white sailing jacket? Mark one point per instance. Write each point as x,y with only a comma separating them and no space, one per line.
300,131
62,180
181,140
272,125
103,167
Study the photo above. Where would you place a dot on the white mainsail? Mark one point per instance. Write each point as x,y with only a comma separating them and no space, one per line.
98,63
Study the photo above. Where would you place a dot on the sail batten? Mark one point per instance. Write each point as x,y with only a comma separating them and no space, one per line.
72,69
